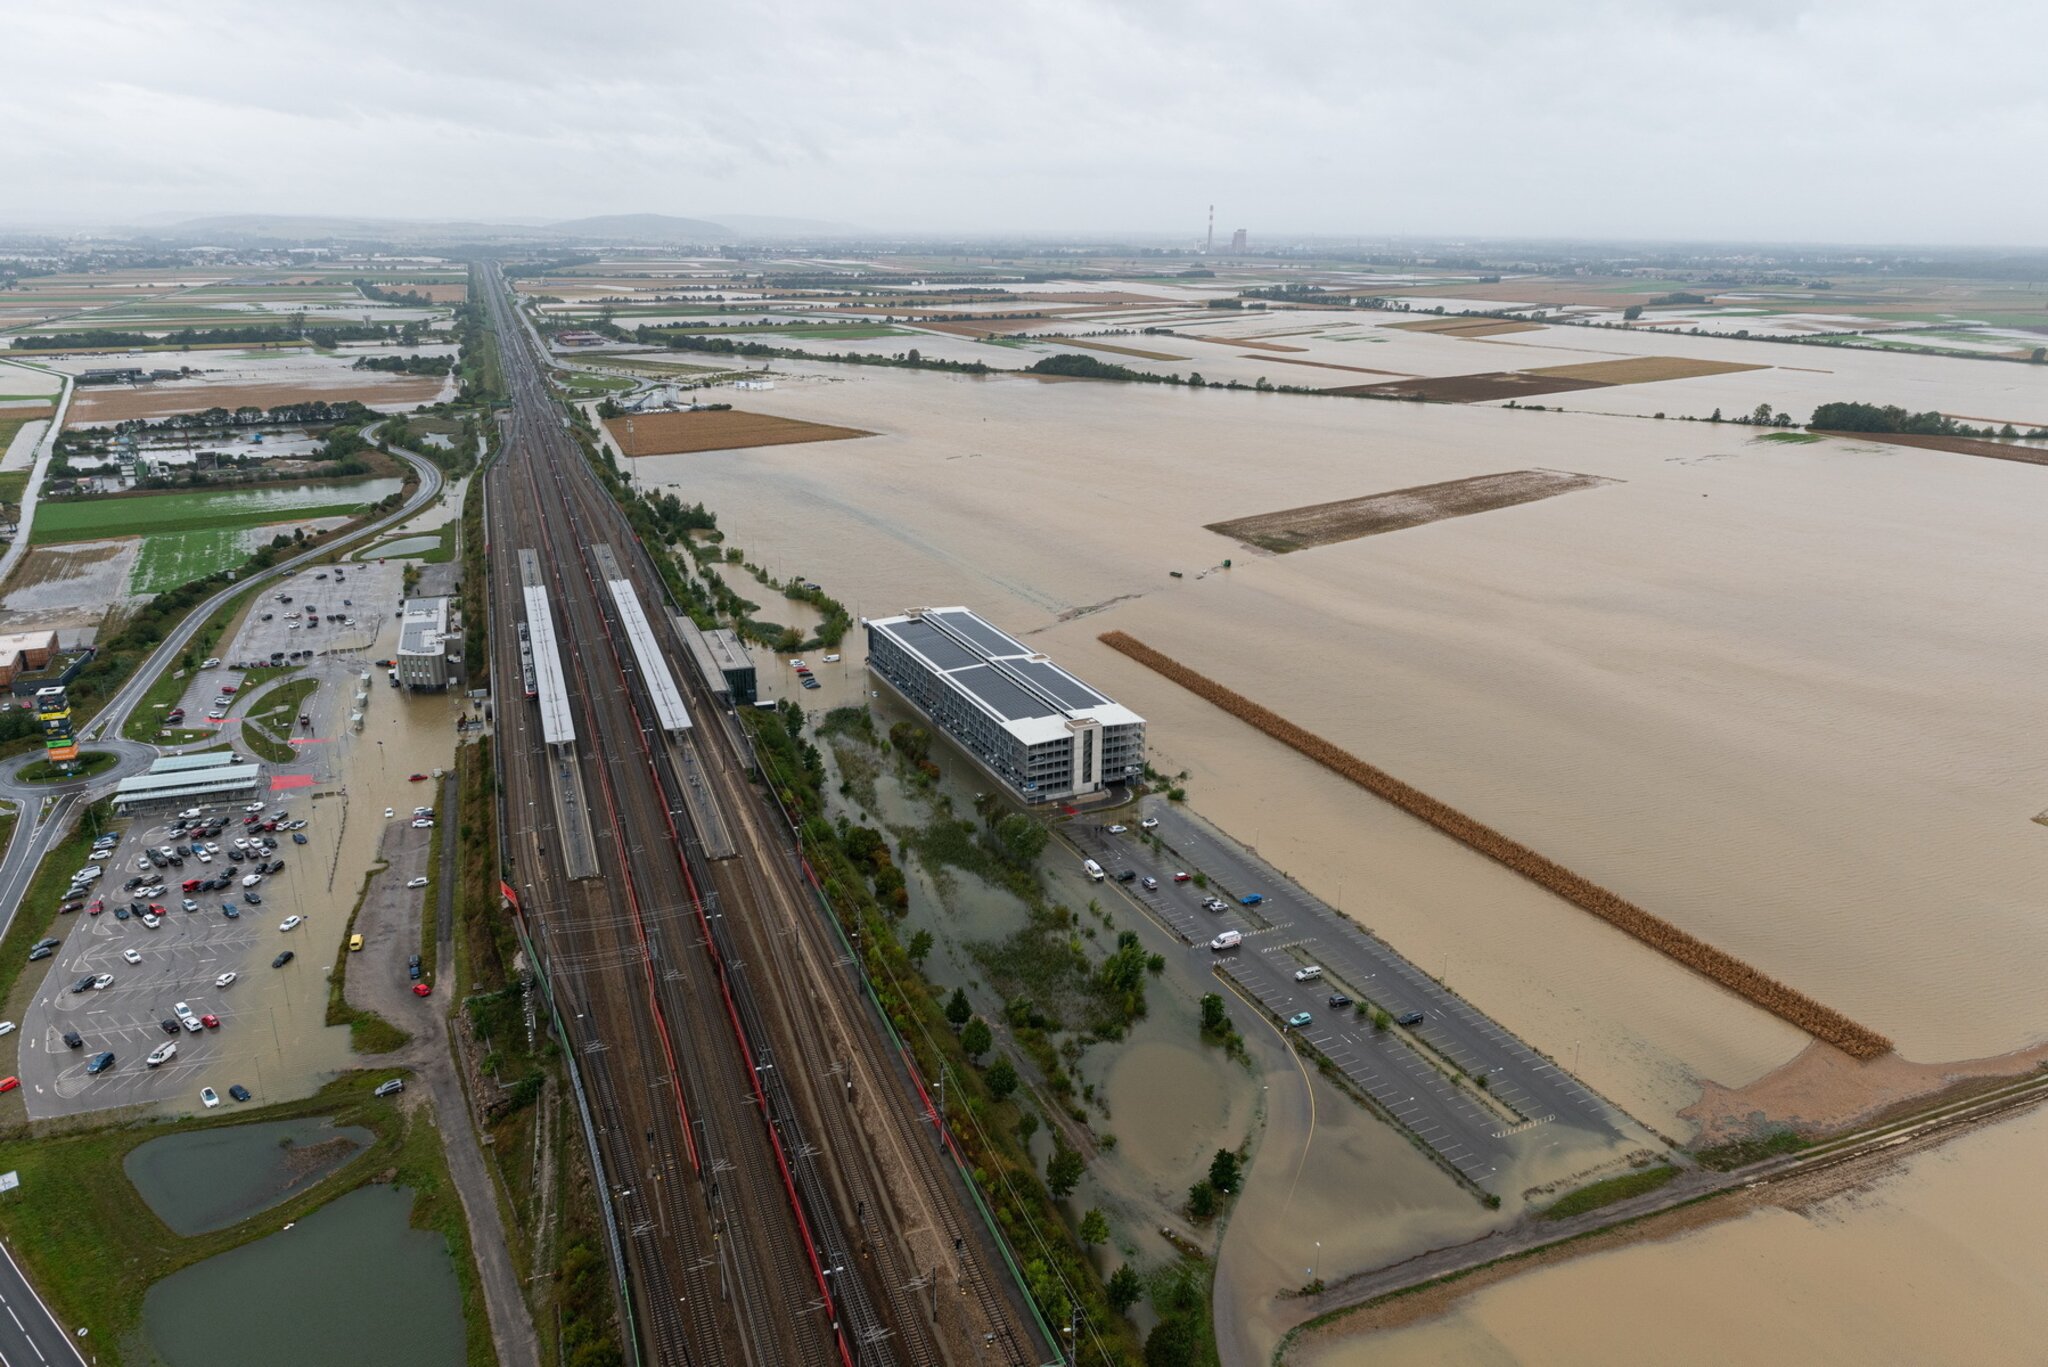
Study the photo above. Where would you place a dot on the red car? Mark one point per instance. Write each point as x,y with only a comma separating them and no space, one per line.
417,778
176,714
99,904
1180,878
421,989
210,1022
156,909
8,1084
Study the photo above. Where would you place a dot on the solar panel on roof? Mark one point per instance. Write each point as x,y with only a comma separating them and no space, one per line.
1005,695
1062,685
928,641
981,633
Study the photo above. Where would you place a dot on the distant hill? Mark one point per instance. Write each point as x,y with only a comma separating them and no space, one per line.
308,227
768,225
643,228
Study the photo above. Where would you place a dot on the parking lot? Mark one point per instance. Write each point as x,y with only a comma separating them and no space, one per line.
272,1020
369,593
1425,1075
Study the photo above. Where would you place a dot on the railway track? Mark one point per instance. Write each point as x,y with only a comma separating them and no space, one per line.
828,1223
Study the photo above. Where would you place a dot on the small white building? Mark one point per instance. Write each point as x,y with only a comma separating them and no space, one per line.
429,648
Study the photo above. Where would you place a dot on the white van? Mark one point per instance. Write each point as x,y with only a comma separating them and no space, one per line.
1093,869
1229,939
1308,974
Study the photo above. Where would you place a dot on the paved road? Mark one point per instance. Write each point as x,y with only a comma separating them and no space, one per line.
29,1334
1409,1072
45,449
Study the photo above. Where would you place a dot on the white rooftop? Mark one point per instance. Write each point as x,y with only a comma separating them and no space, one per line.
1022,690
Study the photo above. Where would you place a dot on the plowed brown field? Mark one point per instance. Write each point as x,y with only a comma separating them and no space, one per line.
672,434
1323,524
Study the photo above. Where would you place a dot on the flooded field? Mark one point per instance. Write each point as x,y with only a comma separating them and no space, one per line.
350,1283
1782,695
205,1180
1820,1284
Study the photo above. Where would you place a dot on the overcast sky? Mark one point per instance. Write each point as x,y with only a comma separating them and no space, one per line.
1773,120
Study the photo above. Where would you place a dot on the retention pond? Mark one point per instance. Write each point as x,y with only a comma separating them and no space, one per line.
210,1179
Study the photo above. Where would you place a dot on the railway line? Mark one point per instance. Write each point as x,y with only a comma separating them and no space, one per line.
780,1186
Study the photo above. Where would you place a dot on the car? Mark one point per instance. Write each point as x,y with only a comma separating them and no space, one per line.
122,913
417,778
162,1054
210,1021
170,1025
1251,899
422,989
231,911
1150,823
291,923
1181,876
209,1098
99,904
251,880
6,1027
100,1062
239,1092
390,812
203,856
412,968
1126,875
297,838
83,984
8,1084
390,1088
422,823
210,662
282,959
132,956
41,952
253,898
191,1023
255,807
1338,1001
103,982
1308,973
190,905
217,714
1299,1019
73,1040
416,882
151,919
1118,830
1149,883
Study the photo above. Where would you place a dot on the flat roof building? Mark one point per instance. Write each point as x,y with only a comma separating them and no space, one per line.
182,783
721,661
1039,730
429,649
25,650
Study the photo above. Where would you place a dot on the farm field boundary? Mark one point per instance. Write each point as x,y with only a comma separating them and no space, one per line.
1324,524
1962,446
1119,350
1557,379
1466,327
1788,1004
670,434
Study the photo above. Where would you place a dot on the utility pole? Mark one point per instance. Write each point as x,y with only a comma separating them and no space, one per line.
1209,246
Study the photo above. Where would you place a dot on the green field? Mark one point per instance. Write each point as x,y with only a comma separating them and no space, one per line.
158,514
176,558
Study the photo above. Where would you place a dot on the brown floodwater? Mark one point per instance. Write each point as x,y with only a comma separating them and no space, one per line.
1941,1261
1786,696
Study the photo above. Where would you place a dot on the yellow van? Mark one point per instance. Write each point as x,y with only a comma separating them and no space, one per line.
355,943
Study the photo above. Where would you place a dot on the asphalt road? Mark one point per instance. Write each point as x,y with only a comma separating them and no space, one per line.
29,1334
1407,1071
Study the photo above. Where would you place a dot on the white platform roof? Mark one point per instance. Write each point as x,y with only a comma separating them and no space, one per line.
557,727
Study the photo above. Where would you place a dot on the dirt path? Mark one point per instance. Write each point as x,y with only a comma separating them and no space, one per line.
389,923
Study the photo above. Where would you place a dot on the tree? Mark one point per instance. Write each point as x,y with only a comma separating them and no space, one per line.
1381,1020
958,1009
1094,1227
976,1038
1019,840
1172,1344
1214,1014
1063,1169
1027,1125
1202,1200
1224,1171
1631,313
1762,416
920,945
1001,1078
1124,1288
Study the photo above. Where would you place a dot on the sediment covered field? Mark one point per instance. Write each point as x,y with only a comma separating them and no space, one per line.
671,434
1789,1004
1324,524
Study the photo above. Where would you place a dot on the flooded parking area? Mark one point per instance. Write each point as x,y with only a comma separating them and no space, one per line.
351,1283
205,1180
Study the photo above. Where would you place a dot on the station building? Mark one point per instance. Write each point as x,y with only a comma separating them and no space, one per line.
429,648
1041,732
180,780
